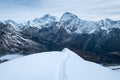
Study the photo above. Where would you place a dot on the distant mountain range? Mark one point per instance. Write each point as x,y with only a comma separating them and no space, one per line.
95,41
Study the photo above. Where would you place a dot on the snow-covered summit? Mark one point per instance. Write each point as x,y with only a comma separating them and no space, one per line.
45,19
107,24
38,22
16,25
68,16
74,24
64,65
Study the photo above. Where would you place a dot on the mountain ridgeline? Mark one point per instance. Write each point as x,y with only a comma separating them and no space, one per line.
94,41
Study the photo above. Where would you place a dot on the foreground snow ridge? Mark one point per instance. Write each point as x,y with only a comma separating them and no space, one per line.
64,65
10,57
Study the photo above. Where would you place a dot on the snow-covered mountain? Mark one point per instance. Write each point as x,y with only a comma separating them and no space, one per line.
73,24
13,41
40,22
70,22
100,38
56,65
17,26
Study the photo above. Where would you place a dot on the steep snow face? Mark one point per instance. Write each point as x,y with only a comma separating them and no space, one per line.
45,19
107,24
73,24
68,16
70,22
41,22
87,27
64,65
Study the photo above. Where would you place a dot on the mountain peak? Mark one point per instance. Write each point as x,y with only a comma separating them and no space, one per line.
67,50
45,19
68,16
49,16
106,20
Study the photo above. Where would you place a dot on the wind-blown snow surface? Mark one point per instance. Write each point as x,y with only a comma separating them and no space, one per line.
10,57
64,65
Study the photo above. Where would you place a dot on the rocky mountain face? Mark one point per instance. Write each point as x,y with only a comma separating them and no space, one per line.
12,41
94,41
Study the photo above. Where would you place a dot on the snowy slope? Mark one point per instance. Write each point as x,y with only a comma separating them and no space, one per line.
73,24
10,57
64,65
17,26
40,22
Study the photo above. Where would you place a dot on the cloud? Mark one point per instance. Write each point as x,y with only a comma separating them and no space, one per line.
20,3
86,9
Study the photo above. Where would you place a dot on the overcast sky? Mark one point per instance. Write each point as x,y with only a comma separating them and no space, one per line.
22,10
